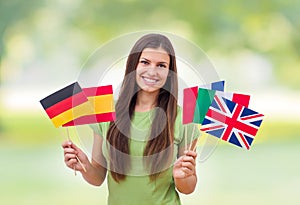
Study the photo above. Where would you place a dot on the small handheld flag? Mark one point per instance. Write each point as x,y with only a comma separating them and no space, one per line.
102,104
232,122
222,114
66,104
190,96
197,103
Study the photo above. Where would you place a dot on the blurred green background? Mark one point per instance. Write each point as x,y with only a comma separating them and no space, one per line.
254,45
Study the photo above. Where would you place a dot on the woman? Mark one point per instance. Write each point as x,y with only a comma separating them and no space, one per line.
146,153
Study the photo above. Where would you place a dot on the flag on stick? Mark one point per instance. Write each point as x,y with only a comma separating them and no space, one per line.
102,104
66,104
190,99
196,102
232,122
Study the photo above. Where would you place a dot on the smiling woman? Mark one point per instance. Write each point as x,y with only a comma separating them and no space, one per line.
152,70
151,75
144,152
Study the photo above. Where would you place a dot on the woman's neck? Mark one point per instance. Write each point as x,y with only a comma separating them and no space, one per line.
145,101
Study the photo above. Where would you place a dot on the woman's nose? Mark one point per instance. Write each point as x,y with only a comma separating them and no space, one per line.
152,70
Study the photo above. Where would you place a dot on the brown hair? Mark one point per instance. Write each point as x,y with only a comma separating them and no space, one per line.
119,130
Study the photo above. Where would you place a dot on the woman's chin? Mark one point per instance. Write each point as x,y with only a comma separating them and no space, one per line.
150,89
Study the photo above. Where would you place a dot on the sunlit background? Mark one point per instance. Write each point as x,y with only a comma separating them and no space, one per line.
254,45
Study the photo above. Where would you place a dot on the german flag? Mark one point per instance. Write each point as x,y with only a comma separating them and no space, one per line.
102,102
66,104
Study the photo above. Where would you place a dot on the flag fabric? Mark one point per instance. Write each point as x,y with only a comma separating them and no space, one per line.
196,103
219,85
232,122
189,103
239,98
190,99
66,104
102,104
204,100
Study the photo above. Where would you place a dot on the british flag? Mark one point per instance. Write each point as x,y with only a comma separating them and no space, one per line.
232,122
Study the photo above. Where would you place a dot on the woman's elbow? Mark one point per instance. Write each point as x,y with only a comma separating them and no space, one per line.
187,191
96,183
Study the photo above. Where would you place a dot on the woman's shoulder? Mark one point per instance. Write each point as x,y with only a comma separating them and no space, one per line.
100,128
179,114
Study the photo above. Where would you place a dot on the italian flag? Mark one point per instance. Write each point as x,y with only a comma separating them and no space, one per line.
196,102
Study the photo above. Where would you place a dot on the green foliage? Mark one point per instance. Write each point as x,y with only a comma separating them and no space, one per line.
267,27
27,130
36,129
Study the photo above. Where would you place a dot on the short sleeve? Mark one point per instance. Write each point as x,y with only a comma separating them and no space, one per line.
100,128
190,132
185,134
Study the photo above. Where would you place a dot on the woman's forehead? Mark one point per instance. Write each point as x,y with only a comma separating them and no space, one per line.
157,54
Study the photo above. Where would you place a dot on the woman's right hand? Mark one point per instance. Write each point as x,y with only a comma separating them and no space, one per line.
71,155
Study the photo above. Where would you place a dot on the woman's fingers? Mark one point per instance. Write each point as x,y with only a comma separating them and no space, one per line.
74,157
190,153
71,160
77,149
69,151
69,156
188,163
66,144
189,159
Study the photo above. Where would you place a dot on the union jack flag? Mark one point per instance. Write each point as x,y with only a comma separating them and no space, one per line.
232,122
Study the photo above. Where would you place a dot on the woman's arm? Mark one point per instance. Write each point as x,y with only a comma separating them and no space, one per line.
95,170
184,170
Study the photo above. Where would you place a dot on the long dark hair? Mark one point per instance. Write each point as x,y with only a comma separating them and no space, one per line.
119,130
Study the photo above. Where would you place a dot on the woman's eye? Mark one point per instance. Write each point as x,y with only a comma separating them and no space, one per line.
144,62
162,66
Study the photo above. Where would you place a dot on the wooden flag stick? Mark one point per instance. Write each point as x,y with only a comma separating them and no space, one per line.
185,138
191,142
194,149
83,167
67,130
75,155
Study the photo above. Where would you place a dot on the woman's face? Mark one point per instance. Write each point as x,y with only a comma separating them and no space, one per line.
152,69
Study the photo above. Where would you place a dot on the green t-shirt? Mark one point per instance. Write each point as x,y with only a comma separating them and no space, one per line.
137,187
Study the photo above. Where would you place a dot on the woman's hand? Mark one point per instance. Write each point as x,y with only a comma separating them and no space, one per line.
75,158
185,165
184,172
93,172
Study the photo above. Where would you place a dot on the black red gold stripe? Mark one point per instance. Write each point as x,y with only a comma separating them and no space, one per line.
60,95
66,104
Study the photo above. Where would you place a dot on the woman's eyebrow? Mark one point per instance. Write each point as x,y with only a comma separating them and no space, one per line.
143,58
163,62
160,62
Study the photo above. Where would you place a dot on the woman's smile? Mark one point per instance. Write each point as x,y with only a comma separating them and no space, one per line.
150,81
152,69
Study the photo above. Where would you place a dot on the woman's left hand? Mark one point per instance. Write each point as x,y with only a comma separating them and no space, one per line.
185,165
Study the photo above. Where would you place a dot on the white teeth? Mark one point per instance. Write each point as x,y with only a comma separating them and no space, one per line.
149,80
